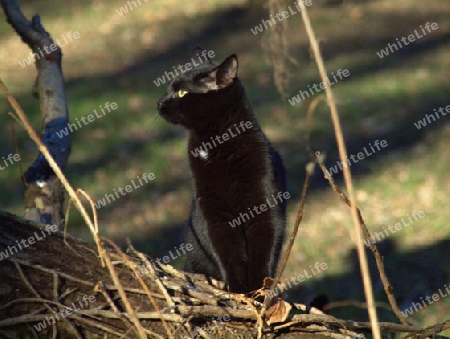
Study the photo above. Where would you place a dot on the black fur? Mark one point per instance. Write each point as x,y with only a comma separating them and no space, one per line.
232,177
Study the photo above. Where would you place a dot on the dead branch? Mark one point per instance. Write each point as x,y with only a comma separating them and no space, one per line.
379,261
44,195
51,285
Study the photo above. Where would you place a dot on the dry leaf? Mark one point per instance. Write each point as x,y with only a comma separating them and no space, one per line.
278,311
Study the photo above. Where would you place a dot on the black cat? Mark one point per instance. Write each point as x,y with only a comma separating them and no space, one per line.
235,171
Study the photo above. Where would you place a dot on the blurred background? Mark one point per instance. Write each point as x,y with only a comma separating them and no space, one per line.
121,51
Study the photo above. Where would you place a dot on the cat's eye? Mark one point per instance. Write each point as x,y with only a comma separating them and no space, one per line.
181,93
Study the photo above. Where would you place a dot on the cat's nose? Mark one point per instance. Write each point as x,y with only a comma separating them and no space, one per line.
160,103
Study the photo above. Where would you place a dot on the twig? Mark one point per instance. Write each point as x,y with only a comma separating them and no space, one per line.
94,213
78,280
91,313
379,261
54,328
115,278
309,309
166,326
347,175
30,287
102,288
240,314
309,114
149,266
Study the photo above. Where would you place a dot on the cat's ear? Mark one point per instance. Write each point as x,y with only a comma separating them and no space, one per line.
199,53
226,72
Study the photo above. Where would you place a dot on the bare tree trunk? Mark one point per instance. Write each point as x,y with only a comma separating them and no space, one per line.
44,194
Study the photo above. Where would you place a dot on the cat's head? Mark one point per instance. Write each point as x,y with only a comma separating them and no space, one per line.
200,92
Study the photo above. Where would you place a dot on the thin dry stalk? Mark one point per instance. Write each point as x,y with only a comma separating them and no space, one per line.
152,271
387,286
13,132
102,288
166,326
123,295
94,213
309,114
347,175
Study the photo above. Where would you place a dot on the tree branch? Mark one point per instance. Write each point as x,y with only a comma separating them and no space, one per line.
44,196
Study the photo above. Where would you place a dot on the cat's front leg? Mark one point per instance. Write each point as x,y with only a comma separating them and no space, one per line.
230,251
260,246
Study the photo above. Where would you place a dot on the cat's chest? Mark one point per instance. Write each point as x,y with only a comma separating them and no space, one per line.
230,149
208,158
203,155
